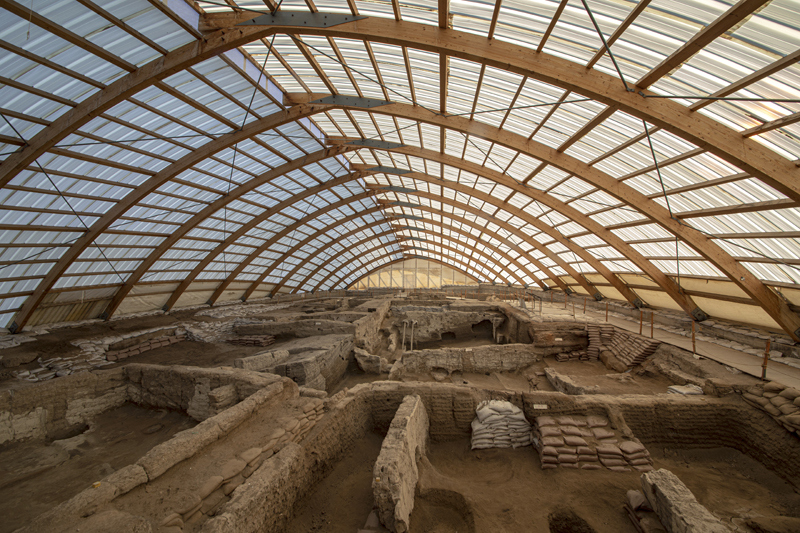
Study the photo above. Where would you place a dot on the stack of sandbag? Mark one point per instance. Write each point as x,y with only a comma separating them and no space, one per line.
781,402
586,443
499,424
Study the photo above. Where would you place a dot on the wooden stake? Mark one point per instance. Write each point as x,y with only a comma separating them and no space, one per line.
764,364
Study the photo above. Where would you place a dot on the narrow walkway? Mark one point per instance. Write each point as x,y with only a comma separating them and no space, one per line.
747,363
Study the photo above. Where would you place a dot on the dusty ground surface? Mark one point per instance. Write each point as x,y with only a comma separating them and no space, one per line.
38,475
590,373
160,497
507,491
343,500
730,484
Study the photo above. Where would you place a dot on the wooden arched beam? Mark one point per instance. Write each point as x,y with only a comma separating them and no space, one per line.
773,305
141,192
278,262
454,251
511,229
274,210
209,210
254,285
384,265
464,266
420,230
704,132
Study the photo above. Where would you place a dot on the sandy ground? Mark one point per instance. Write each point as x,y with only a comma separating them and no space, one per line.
343,500
38,475
507,491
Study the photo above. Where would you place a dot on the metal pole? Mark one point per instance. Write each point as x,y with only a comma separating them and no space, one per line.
641,317
694,346
584,306
651,325
606,311
764,364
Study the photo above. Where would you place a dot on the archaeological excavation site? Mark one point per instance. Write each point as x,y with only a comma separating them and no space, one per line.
400,266
466,409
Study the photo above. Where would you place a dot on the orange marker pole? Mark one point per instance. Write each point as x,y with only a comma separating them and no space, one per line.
764,364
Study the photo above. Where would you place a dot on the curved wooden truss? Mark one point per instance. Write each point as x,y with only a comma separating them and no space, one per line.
475,251
769,300
432,259
695,128
709,135
442,225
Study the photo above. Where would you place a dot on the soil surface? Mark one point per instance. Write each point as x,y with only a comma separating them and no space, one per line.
506,490
39,475
343,500
730,484
590,373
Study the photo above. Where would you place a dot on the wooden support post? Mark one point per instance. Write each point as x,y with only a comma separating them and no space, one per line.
606,311
694,346
565,300
584,306
551,296
573,309
764,364
641,318
651,324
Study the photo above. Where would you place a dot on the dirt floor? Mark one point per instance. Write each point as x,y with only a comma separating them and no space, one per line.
590,373
729,483
38,475
506,490
343,500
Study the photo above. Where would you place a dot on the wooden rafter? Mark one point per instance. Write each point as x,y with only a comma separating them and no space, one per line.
725,22
467,274
357,246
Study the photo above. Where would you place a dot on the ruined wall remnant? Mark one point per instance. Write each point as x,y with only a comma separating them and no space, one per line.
396,474
478,359
53,407
368,329
200,392
316,362
260,362
297,328
676,506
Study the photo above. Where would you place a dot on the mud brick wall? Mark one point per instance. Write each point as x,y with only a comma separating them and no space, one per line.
200,392
143,343
286,477
395,474
500,358
50,409
298,328
704,424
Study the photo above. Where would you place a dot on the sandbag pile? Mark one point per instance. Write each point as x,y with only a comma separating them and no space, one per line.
499,424
630,348
587,443
781,402
579,355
